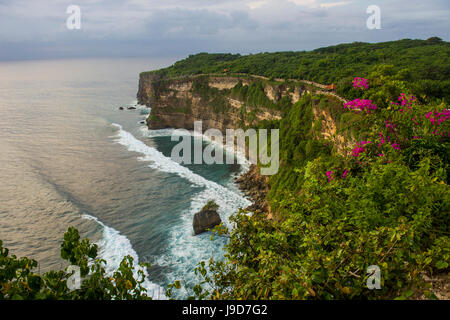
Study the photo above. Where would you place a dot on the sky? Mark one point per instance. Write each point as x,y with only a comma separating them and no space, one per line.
37,29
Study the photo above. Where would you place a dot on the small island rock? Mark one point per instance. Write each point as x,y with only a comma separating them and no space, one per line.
207,218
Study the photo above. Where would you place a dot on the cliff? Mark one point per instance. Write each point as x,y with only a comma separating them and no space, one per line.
178,102
240,101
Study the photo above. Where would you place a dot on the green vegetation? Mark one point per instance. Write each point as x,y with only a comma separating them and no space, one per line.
211,205
210,96
385,203
19,280
253,95
337,215
423,64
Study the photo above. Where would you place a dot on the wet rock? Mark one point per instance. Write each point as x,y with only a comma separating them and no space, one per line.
120,108
207,218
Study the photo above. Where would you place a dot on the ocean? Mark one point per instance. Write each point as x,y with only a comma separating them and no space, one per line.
70,157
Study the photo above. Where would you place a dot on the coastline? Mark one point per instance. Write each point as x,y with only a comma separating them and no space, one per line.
255,187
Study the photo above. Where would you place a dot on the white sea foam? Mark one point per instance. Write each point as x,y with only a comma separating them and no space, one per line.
156,133
143,109
227,149
186,250
114,247
137,105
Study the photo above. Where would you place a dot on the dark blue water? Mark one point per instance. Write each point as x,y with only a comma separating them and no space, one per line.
70,157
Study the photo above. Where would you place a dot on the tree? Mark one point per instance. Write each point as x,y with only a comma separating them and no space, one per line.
19,281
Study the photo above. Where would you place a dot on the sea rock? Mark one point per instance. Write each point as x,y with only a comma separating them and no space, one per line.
120,108
207,218
131,108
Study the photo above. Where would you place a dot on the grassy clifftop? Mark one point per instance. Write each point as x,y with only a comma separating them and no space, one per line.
423,65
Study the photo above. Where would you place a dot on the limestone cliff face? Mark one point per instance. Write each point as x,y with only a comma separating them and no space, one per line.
179,102
328,130
176,103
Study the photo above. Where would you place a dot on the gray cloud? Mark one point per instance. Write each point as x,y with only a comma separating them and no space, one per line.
36,29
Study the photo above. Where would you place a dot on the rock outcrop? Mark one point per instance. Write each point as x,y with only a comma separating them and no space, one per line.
207,218
256,187
176,103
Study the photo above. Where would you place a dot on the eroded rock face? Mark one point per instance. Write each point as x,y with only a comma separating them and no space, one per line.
207,218
175,104
256,187
329,131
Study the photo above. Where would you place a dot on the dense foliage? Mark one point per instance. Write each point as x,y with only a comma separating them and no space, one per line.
386,203
20,281
423,64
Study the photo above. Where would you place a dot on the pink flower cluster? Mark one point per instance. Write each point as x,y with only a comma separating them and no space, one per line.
360,83
360,148
404,101
344,175
329,175
436,118
390,125
396,146
382,140
361,104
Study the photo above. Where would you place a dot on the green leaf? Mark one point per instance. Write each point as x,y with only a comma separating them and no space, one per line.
441,264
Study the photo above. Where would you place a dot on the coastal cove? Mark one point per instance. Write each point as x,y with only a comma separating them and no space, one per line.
77,160
356,206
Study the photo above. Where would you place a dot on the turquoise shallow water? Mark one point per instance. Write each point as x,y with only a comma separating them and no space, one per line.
70,157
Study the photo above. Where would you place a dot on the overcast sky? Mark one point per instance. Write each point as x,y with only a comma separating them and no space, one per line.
36,29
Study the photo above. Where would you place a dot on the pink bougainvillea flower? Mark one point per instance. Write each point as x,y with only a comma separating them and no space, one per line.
344,175
436,119
405,101
361,105
439,116
360,148
329,175
360,83
390,125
